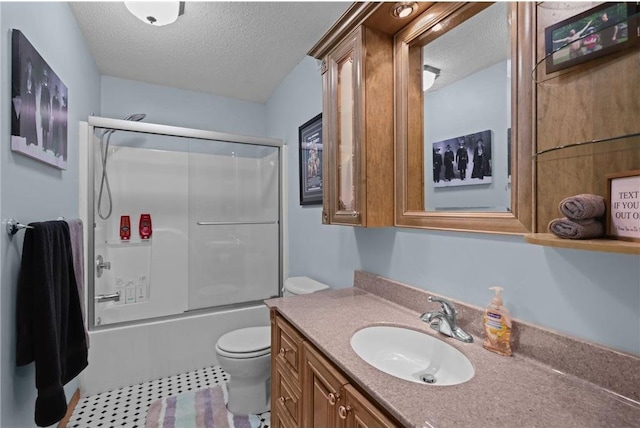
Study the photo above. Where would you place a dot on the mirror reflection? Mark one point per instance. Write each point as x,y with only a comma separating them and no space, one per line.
466,84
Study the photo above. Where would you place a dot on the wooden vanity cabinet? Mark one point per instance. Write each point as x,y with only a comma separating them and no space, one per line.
357,76
286,382
315,393
330,401
322,390
358,411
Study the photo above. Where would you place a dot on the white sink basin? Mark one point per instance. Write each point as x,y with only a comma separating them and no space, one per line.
411,355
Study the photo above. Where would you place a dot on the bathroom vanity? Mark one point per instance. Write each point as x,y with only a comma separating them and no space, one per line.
308,390
552,380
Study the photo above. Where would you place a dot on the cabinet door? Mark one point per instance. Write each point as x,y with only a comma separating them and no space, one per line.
342,105
321,388
357,411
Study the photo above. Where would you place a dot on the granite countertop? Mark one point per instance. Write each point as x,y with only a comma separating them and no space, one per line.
504,392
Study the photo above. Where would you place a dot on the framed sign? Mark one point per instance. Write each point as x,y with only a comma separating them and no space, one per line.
599,31
310,135
39,101
623,206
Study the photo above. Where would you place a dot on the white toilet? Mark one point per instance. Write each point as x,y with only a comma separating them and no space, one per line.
245,355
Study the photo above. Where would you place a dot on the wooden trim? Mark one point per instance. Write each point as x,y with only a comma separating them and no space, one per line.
377,175
603,245
351,19
70,408
520,220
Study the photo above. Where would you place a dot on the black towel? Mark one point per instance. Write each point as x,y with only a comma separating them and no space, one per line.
49,317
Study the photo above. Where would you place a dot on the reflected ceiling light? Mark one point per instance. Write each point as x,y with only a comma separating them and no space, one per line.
429,76
156,13
403,9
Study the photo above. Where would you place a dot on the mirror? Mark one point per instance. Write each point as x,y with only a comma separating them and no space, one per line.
464,116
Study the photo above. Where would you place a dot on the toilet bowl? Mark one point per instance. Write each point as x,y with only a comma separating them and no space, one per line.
245,355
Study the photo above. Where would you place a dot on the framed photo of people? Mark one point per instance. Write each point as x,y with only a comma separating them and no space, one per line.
623,206
602,30
310,136
463,160
39,101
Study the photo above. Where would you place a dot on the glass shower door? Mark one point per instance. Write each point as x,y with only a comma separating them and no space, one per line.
234,230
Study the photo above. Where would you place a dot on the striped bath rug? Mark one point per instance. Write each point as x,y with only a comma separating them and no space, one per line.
204,408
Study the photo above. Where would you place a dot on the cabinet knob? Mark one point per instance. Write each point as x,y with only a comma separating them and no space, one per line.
282,352
282,400
356,214
344,411
333,398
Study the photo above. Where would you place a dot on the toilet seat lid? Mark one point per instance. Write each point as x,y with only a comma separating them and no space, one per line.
246,340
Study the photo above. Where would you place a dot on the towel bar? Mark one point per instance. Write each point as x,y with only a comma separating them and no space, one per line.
13,226
228,223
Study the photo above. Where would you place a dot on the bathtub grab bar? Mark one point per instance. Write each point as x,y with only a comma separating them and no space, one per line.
226,223
115,297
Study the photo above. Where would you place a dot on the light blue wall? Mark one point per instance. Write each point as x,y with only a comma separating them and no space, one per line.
591,295
171,106
31,190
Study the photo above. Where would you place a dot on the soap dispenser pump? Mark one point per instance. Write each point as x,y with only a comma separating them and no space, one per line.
497,325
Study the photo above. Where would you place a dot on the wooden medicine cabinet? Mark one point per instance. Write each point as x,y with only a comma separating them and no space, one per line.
358,120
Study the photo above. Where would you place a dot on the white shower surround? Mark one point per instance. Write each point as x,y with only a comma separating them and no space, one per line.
122,355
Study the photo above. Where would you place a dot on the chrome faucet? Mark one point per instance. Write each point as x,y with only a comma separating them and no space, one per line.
445,321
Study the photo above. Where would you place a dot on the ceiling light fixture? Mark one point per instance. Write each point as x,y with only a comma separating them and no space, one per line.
156,13
403,9
429,76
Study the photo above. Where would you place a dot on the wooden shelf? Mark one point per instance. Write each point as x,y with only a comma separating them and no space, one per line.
604,245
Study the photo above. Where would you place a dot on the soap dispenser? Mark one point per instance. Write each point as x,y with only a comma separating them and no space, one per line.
497,325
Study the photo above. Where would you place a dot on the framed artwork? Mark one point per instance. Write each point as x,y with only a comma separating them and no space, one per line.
602,30
39,103
310,136
462,161
623,206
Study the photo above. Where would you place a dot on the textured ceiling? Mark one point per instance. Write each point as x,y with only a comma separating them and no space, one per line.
240,50
476,44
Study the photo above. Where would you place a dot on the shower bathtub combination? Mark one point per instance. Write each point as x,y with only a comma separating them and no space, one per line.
183,242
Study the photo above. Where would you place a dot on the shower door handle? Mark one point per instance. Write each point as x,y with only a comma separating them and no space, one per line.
115,297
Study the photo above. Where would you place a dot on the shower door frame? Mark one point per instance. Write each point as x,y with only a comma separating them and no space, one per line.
97,122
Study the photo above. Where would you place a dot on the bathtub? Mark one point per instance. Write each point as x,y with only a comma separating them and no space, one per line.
128,355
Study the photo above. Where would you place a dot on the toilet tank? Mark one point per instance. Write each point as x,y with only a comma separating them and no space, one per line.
296,285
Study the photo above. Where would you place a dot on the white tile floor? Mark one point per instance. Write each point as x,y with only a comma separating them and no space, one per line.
127,407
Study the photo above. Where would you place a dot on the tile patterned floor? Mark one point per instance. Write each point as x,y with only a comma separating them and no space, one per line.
127,407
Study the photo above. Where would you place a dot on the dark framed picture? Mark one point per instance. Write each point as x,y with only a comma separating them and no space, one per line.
602,30
310,136
39,103
463,161
623,205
